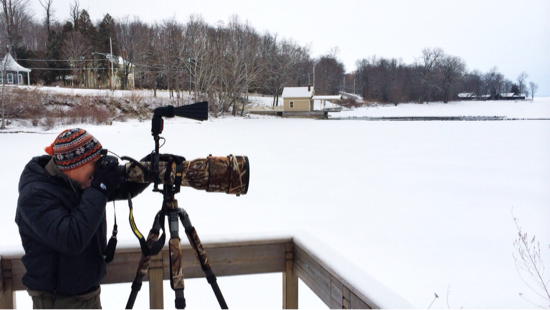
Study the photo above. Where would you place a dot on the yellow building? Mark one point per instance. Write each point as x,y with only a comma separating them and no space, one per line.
298,99
300,102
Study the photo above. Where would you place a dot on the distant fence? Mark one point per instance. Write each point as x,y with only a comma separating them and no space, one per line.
293,260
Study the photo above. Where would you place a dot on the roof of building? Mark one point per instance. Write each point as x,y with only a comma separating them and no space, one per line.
12,65
297,92
507,94
326,97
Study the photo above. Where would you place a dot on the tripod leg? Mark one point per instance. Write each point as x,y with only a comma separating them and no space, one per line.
143,267
176,266
200,253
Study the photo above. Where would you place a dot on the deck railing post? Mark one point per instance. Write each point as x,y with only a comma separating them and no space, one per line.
7,294
290,280
156,273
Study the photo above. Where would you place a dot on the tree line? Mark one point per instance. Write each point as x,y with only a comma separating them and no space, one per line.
434,76
222,62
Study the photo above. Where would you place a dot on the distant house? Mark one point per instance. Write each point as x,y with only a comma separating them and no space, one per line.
299,101
467,96
91,78
13,71
508,96
501,96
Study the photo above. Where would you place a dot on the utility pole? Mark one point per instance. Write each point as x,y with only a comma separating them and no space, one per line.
3,126
112,66
344,89
313,75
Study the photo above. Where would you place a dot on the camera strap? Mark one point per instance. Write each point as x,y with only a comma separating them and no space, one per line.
156,246
111,246
178,176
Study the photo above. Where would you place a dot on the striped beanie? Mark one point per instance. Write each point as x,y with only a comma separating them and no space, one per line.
73,148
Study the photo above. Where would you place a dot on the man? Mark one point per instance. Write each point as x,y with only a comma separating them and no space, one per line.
61,219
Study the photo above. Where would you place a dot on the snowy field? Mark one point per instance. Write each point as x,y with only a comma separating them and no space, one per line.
424,207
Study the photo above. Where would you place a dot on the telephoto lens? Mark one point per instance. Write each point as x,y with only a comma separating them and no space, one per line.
229,174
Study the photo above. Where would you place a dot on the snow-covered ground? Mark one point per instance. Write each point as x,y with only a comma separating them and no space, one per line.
424,207
511,109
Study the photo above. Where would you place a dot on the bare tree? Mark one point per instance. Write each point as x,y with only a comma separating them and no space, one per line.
150,58
522,82
425,66
241,65
534,88
329,74
493,81
75,48
279,58
200,57
452,69
74,12
130,36
364,77
4,62
472,82
171,41
14,17
47,5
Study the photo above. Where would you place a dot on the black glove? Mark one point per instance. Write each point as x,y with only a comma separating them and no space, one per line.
107,176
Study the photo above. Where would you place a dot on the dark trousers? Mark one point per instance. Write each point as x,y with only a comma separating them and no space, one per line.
48,300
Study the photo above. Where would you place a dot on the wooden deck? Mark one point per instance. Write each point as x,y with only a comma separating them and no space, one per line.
227,258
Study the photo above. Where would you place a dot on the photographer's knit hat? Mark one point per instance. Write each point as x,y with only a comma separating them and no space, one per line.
73,148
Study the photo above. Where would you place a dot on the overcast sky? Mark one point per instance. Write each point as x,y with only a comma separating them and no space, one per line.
512,35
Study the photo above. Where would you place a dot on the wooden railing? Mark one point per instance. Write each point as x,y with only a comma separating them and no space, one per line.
227,258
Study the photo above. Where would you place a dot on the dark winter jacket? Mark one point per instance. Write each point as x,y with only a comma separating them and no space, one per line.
63,230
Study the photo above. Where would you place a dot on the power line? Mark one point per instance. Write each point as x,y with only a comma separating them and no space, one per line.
54,60
68,69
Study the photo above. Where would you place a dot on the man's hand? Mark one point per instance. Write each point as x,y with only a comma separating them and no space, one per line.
107,176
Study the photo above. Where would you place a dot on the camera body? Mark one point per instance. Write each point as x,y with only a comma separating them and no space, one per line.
106,160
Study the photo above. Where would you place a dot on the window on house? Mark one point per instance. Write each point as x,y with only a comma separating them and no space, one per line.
19,79
10,78
292,104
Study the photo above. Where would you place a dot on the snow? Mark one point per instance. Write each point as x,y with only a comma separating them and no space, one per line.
419,207
539,108
297,92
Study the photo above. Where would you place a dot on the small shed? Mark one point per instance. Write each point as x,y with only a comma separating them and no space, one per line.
298,99
300,102
12,71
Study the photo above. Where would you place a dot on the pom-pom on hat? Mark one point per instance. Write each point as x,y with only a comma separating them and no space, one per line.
73,148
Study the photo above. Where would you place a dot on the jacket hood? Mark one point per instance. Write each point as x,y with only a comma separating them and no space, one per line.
35,171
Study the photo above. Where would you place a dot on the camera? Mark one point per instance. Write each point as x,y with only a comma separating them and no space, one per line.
226,174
